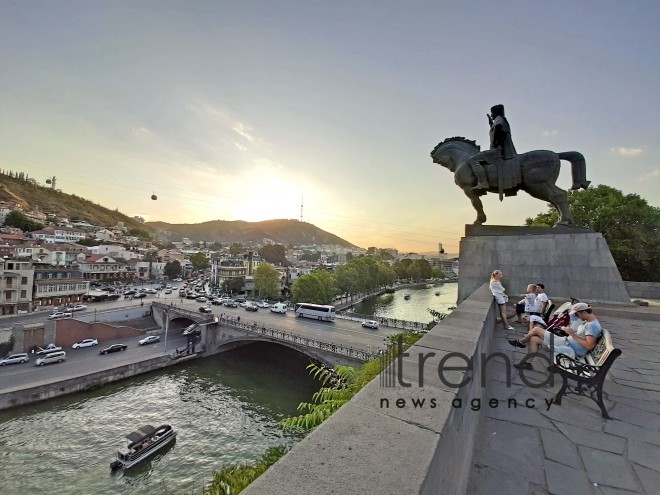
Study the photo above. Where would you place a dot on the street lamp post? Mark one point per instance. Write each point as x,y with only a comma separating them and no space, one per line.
167,324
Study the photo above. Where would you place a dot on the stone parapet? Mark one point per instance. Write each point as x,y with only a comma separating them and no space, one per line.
381,442
569,263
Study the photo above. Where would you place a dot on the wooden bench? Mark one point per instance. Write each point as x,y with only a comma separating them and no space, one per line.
588,371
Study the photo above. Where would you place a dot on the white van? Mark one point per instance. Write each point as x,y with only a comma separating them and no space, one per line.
53,357
278,308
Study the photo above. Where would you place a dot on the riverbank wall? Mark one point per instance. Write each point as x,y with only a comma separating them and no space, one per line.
20,396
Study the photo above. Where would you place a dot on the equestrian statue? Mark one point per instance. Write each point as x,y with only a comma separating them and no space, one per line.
501,170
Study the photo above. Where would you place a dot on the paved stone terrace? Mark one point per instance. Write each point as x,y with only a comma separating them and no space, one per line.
571,449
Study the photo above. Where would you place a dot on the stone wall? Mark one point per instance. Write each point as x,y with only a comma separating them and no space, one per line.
380,442
643,290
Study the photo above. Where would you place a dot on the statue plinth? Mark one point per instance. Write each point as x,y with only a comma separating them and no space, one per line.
569,262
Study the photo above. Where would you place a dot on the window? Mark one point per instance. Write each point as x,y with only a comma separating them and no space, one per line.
24,280
23,294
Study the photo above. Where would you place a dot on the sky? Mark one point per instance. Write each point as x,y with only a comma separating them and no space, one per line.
248,110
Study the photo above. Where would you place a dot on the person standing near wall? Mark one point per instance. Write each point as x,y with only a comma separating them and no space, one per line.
501,298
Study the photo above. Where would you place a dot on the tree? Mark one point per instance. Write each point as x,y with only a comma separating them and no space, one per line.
236,248
233,285
437,273
313,289
274,254
199,261
267,281
87,242
628,223
151,256
139,233
21,221
172,269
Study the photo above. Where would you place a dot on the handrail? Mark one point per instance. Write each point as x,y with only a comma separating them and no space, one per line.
338,349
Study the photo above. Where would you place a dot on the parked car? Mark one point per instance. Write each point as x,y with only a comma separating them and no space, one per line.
15,359
263,304
205,309
79,307
251,307
201,299
231,304
217,301
168,291
139,295
113,348
370,324
53,357
49,348
85,343
150,339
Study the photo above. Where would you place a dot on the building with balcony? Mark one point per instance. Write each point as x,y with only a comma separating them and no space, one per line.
58,234
101,267
58,285
16,279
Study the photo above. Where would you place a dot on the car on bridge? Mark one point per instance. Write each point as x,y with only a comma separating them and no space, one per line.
114,348
205,309
201,299
194,328
150,339
85,343
79,307
370,324
49,348
60,314
139,295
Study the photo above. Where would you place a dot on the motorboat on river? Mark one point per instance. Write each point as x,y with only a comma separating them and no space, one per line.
144,442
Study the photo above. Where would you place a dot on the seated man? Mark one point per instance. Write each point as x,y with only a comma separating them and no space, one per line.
541,303
578,342
527,304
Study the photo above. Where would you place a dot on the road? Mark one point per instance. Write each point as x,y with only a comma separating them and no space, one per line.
87,360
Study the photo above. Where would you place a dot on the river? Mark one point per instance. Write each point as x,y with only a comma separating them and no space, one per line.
225,409
422,298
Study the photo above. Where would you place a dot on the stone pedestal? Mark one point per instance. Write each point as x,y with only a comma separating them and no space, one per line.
569,262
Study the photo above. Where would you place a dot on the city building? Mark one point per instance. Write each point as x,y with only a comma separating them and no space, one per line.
55,286
16,279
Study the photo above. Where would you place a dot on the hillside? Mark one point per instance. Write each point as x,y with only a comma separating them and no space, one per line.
280,231
33,196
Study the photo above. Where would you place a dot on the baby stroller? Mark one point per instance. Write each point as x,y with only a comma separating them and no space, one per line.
559,318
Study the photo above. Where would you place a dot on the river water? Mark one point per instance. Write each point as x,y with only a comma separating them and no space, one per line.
225,409
422,298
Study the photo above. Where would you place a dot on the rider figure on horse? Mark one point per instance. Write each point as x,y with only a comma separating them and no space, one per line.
501,145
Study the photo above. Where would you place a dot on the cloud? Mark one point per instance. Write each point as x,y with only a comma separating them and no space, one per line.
651,175
142,131
627,151
243,130
240,146
549,133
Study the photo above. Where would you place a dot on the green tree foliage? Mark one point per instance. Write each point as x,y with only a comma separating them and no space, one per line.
328,285
267,281
87,242
236,248
628,223
312,256
233,285
19,220
139,233
437,273
150,256
308,289
172,269
231,480
341,383
401,268
274,254
199,261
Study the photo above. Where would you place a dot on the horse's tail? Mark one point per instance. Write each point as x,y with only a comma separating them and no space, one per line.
578,168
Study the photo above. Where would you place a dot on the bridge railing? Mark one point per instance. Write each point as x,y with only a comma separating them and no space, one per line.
193,315
275,333
387,322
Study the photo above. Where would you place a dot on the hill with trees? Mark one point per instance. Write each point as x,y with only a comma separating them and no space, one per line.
17,187
287,232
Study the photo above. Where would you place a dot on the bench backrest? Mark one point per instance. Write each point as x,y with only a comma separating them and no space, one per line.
603,348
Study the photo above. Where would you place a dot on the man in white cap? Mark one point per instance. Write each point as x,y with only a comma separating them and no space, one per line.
576,343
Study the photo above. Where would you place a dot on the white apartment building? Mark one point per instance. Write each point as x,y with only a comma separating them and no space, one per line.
58,234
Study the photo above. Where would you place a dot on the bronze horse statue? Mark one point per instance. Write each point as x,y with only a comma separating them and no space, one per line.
535,173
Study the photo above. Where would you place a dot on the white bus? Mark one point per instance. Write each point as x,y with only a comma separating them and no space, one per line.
318,311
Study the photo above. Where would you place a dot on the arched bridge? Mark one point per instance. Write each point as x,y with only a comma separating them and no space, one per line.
222,334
